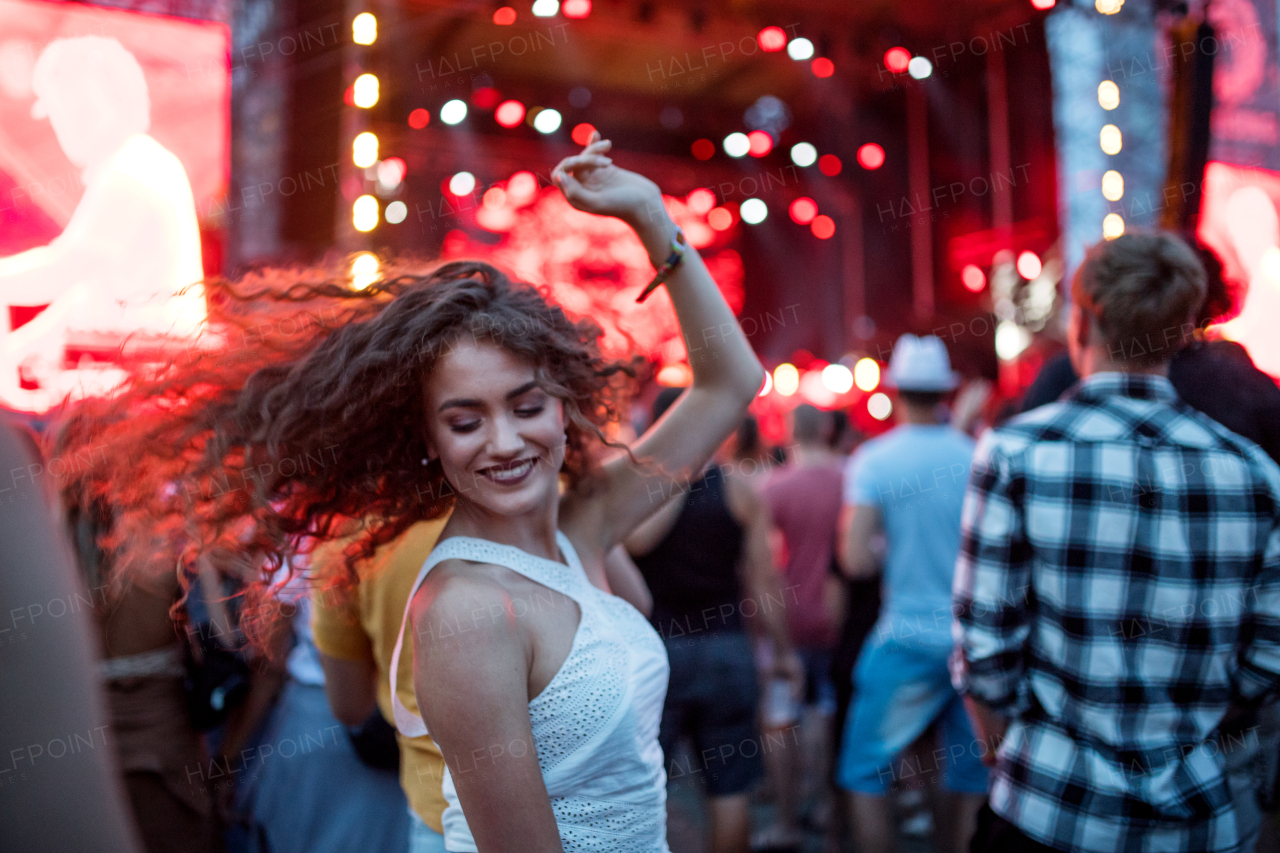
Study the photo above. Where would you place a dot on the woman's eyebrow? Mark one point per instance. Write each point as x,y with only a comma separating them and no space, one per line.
470,403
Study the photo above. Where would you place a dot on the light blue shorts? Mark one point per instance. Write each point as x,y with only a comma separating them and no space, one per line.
422,838
900,688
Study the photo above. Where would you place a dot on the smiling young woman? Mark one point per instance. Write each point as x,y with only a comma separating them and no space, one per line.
458,390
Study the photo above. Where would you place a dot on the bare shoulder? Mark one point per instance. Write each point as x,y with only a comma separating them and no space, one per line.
461,598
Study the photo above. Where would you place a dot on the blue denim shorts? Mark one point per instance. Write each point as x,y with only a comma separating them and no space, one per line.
900,689
712,699
422,838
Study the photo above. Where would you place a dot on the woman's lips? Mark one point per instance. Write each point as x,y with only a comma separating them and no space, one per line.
510,475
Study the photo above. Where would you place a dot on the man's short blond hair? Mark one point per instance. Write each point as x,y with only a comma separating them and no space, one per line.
1143,291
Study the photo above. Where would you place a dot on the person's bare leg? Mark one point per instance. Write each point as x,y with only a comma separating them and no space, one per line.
782,760
730,824
873,823
955,819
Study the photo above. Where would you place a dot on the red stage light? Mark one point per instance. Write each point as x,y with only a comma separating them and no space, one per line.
701,200
484,98
823,227
772,39
822,67
704,149
575,8
761,143
973,278
871,156
582,133
1029,265
349,96
419,118
896,59
829,165
803,210
1043,4
720,219
504,17
509,113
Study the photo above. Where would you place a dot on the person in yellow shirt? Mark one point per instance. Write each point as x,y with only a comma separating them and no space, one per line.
355,633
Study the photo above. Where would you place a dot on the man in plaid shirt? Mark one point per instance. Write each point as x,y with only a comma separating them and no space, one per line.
1118,588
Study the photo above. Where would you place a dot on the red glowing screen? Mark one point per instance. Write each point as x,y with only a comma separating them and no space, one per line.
114,165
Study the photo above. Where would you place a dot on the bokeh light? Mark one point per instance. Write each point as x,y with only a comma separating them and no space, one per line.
822,67
419,118
509,113
871,156
804,154
703,149
1112,226
453,111
720,218
576,9
364,150
823,227
1110,140
786,379
753,211
396,212
866,374
1112,185
463,183
504,17
919,67
364,270
973,278
897,59
364,91
879,406
364,213
547,121
581,134
829,165
1108,95
701,200
1029,265
364,28
837,378
802,210
800,49
759,143
737,145
772,39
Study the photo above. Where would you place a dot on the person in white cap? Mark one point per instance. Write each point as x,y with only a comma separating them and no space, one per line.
903,494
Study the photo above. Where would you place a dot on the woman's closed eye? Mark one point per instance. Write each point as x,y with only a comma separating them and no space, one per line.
530,411
465,427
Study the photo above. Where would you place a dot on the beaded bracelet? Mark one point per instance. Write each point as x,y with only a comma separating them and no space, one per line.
678,246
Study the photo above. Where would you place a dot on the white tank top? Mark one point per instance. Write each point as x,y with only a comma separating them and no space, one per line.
595,725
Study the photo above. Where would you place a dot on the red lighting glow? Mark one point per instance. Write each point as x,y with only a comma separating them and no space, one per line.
419,118
720,219
504,17
509,113
582,133
349,96
1043,4
575,8
896,59
973,278
761,143
701,200
772,39
829,165
822,67
803,210
485,98
823,227
704,149
1029,265
871,156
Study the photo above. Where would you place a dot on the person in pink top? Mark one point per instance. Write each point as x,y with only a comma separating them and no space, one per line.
804,501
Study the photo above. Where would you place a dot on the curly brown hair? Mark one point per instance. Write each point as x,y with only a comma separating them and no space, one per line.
263,445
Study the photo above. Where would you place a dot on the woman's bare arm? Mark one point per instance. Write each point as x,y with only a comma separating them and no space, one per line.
726,373
471,669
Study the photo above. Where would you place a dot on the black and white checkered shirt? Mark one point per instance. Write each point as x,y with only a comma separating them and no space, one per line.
1118,588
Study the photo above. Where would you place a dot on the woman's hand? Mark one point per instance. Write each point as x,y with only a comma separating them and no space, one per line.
591,182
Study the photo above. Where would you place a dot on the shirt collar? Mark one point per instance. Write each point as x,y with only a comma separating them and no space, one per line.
1137,386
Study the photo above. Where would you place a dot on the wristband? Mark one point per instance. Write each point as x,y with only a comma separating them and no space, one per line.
678,247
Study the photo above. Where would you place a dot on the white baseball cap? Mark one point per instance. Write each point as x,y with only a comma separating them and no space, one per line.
920,364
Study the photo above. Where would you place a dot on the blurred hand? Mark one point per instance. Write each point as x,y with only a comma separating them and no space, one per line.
988,726
590,182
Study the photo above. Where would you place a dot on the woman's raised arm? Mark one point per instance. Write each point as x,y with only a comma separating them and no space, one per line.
726,373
